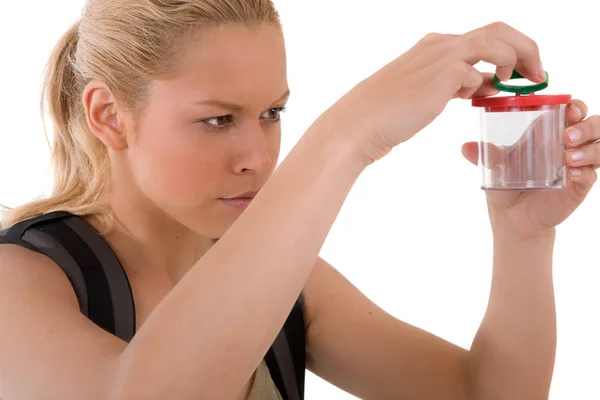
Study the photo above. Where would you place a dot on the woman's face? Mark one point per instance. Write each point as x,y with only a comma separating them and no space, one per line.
213,132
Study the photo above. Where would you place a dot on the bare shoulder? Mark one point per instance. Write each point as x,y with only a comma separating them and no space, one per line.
44,337
24,272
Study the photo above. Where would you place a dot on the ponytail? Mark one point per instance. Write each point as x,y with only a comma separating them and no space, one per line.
78,157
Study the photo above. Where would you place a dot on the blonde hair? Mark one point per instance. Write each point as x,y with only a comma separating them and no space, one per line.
126,44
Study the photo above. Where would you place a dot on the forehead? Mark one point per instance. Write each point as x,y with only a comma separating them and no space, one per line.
231,63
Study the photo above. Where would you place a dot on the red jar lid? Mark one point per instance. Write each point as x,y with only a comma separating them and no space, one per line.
519,101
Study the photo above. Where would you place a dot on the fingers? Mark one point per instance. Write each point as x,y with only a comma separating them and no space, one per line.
492,155
471,81
584,156
527,57
584,178
586,131
487,87
485,47
471,152
576,112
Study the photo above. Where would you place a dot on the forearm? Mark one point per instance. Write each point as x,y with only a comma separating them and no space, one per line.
513,353
207,336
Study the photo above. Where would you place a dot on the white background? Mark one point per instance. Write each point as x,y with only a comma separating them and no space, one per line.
414,233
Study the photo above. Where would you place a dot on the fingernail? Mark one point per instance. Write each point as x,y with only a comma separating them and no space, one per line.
577,112
576,155
576,172
542,72
574,135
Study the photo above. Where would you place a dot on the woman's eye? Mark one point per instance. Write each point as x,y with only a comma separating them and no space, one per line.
274,114
218,122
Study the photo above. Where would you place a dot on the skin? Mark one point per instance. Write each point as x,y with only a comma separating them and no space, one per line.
168,176
174,212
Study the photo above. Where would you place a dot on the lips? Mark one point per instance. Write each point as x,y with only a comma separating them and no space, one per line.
244,196
241,201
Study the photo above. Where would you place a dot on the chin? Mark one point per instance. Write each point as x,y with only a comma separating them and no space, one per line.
209,222
211,228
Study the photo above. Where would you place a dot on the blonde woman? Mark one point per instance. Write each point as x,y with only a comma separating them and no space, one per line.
166,117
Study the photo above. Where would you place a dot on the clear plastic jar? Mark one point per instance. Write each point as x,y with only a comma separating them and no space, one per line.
522,145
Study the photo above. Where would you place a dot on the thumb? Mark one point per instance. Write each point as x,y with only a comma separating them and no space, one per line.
493,155
470,151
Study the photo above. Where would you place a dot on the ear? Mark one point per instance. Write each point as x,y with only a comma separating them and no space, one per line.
103,116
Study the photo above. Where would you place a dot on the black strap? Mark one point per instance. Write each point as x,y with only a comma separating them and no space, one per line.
15,233
286,359
46,244
296,335
97,276
118,283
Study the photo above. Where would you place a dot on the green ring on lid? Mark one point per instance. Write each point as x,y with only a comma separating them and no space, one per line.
519,89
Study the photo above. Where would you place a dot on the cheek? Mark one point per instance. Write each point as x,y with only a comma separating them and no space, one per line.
171,167
275,145
275,150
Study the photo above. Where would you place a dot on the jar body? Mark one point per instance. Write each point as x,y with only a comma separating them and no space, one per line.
522,147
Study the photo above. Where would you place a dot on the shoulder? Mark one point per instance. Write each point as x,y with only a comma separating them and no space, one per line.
29,270
44,337
24,272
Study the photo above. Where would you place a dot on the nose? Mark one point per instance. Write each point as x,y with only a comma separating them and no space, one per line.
255,151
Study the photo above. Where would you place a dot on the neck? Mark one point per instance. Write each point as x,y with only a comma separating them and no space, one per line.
148,241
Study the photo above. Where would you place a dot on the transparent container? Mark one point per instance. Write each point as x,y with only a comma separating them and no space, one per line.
522,145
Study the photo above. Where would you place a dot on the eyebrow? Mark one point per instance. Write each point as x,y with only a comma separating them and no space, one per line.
235,107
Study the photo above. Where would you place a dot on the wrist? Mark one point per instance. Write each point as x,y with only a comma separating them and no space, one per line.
357,130
504,231
505,224
337,142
